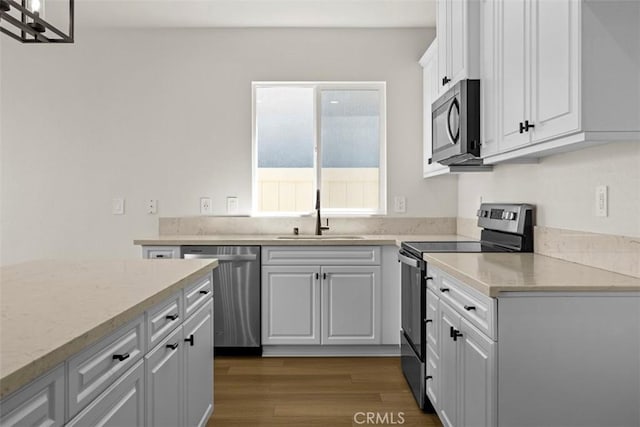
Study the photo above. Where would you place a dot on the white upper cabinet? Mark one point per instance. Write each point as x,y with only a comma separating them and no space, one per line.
430,90
568,75
458,29
488,78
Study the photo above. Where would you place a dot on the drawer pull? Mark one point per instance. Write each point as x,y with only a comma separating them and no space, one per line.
172,346
159,256
428,278
469,307
190,340
171,317
429,377
121,357
444,289
428,320
204,292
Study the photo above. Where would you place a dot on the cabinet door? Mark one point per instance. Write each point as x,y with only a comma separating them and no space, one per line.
514,91
164,382
442,30
351,305
457,33
478,378
433,380
122,404
290,305
555,60
488,78
430,89
198,362
448,365
41,403
433,321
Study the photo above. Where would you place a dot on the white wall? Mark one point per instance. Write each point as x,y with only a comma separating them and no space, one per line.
166,114
563,189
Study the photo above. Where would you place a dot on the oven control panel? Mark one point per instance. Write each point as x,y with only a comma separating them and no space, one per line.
507,217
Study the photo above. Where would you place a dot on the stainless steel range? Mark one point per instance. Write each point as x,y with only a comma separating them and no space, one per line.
505,228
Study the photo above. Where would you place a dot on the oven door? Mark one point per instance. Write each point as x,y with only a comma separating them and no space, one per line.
413,301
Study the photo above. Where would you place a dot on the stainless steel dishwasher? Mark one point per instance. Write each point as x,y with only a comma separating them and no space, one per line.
236,295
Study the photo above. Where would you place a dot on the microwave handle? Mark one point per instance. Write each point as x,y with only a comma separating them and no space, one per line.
454,104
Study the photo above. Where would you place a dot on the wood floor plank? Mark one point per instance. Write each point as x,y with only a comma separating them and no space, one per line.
254,391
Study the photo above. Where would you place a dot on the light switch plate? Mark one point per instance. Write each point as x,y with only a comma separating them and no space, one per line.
117,206
602,201
205,206
232,205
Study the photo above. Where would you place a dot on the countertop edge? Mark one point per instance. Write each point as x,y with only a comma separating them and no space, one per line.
23,376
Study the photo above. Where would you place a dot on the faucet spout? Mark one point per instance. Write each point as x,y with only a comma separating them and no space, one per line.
319,226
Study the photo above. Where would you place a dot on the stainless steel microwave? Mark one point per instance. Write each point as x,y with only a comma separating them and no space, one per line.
456,125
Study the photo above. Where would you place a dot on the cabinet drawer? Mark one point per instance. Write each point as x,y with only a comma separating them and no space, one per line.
328,255
161,252
39,403
94,369
432,382
197,294
163,319
122,404
433,322
478,309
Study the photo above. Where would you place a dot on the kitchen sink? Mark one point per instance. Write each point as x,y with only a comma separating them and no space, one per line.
314,237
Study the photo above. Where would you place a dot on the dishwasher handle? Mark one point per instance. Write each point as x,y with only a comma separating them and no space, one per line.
223,258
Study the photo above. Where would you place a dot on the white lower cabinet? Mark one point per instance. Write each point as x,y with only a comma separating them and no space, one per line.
290,305
319,303
164,367
121,381
122,404
467,369
198,366
41,403
351,305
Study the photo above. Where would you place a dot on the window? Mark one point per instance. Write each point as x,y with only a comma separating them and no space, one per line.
319,136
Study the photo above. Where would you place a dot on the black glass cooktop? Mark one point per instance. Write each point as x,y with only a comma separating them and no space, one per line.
470,246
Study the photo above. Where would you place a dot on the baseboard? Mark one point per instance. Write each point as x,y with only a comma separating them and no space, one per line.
389,350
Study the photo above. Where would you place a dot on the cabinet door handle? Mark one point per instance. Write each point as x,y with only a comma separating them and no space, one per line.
521,127
452,332
204,292
444,289
469,307
324,276
171,317
172,346
445,80
456,334
190,340
120,357
318,275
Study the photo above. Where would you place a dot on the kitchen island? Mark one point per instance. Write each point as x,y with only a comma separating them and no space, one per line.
75,333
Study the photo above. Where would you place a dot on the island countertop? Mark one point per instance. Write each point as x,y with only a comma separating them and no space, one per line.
52,309
495,273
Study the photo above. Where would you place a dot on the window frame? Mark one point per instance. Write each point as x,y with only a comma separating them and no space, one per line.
381,87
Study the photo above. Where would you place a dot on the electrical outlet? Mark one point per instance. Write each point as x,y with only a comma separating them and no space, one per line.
117,206
400,204
205,206
232,205
152,206
602,202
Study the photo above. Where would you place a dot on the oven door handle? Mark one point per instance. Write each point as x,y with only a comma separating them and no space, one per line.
409,261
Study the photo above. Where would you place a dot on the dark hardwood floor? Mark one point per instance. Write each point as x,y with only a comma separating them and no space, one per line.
254,391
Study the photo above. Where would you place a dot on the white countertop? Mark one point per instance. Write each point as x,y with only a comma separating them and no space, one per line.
494,273
53,309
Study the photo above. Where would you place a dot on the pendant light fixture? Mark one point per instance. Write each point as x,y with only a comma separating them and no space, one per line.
26,21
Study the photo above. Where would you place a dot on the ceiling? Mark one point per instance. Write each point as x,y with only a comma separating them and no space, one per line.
255,13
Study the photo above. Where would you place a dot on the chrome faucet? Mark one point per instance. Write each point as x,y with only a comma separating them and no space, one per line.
319,226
